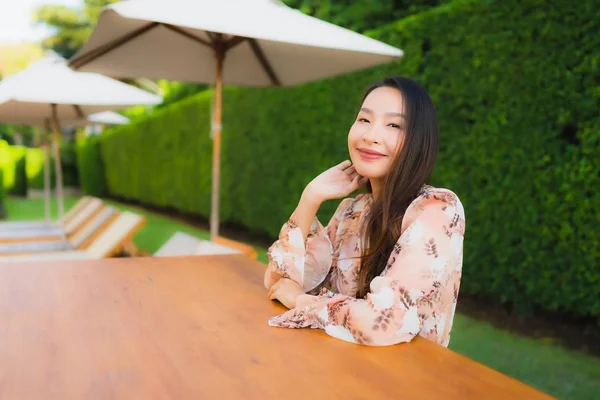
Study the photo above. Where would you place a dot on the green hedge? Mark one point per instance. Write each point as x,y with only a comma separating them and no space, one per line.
2,196
91,166
12,162
19,158
35,169
68,160
24,167
517,87
7,166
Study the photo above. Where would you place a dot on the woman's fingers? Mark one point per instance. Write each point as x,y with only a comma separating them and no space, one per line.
273,289
350,171
358,181
273,295
354,175
344,164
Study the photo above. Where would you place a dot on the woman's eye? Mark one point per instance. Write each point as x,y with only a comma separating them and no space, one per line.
395,126
363,120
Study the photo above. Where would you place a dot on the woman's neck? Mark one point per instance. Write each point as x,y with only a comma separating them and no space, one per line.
376,187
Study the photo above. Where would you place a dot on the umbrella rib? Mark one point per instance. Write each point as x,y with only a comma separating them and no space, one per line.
188,35
212,36
110,46
78,111
260,55
231,43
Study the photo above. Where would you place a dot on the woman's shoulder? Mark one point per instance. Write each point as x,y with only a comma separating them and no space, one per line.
432,197
437,195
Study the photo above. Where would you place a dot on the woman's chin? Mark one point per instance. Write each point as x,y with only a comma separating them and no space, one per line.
369,171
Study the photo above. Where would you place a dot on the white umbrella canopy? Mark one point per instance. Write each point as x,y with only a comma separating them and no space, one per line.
159,39
48,92
240,42
25,97
107,118
100,118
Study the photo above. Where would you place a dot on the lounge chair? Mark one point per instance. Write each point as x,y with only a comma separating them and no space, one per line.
12,225
78,241
182,244
246,249
54,233
107,244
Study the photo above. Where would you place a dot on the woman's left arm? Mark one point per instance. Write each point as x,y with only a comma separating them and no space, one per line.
416,292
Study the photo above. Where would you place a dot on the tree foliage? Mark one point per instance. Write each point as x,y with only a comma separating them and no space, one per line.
364,15
72,25
15,57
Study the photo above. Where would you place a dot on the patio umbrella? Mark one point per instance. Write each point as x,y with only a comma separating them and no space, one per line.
102,118
48,92
241,42
107,118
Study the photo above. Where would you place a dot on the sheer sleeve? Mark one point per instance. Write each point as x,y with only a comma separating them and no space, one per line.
307,263
416,293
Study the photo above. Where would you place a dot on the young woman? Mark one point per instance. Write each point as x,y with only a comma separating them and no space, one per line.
388,265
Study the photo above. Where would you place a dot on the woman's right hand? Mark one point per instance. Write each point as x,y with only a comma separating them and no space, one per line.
335,183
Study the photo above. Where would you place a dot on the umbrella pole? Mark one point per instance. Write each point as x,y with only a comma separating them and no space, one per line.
46,147
216,129
58,168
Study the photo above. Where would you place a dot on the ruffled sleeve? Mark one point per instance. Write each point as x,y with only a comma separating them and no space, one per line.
415,295
307,263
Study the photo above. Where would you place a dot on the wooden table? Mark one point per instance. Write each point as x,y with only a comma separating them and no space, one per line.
196,328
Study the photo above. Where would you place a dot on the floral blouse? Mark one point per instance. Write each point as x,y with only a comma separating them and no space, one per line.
415,295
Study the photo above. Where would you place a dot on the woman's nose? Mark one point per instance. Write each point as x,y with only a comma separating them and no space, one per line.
372,136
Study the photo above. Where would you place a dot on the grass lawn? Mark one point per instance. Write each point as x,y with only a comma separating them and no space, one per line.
560,372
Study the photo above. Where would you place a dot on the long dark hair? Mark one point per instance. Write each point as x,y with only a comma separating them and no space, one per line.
408,175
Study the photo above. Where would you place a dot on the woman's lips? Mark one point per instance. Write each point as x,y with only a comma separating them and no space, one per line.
370,155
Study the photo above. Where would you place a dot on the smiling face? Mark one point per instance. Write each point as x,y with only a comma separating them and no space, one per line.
377,135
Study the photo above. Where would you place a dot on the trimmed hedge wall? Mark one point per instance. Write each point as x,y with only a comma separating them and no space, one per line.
12,162
68,160
517,88
91,166
2,195
24,168
35,169
19,157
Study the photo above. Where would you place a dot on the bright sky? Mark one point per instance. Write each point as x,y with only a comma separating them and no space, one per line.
15,20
